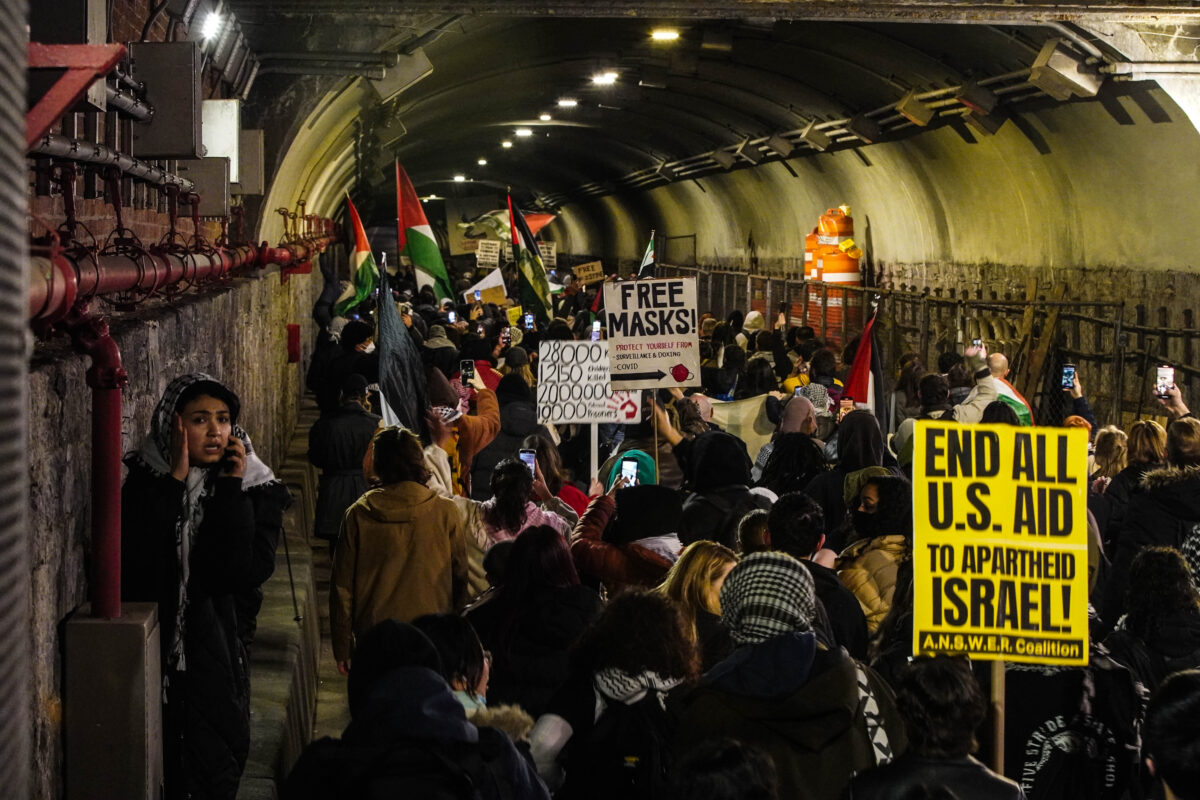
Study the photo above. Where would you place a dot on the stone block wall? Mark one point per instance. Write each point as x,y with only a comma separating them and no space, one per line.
236,333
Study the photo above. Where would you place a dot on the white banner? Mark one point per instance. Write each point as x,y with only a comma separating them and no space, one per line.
653,332
487,253
573,386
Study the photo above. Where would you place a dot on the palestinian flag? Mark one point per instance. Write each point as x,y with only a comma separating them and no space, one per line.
646,270
865,383
401,373
364,273
415,238
1013,399
535,286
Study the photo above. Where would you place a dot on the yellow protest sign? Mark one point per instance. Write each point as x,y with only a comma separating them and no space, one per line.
590,272
514,315
1000,568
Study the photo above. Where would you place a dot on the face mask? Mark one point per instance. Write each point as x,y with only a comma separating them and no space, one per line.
370,348
866,525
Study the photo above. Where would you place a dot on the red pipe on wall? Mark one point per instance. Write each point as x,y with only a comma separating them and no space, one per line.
61,283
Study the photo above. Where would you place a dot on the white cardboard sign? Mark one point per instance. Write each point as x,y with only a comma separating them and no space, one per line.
573,386
652,329
487,253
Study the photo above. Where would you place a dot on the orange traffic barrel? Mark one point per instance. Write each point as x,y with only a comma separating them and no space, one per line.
840,269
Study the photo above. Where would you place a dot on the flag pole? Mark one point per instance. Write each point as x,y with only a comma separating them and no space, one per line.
997,702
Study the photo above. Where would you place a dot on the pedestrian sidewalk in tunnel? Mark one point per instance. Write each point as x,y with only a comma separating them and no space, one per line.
296,692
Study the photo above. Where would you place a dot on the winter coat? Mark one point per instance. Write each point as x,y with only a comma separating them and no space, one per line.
402,553
518,419
1116,499
847,622
412,715
337,443
529,642
1164,511
206,719
476,431
909,773
797,702
717,469
1173,645
868,569
617,566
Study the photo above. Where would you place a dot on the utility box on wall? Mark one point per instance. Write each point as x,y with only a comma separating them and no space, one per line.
171,71
251,172
211,176
70,22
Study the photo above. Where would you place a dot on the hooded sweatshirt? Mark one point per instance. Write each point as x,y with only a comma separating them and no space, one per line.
402,553
718,471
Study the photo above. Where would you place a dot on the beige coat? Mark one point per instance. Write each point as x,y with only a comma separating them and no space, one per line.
402,553
868,569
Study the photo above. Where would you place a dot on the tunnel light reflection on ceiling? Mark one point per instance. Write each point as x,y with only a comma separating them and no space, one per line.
544,117
567,102
524,132
482,162
211,26
506,144
664,34
460,178
604,78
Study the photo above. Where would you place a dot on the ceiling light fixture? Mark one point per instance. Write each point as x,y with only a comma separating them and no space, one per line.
780,145
506,144
723,158
211,26
524,132
664,34
544,117
815,137
604,78
482,162
567,102
459,178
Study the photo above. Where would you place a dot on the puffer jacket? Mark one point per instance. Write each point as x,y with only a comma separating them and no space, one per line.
402,553
617,566
868,569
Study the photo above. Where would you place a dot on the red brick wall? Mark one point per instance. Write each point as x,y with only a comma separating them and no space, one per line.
97,215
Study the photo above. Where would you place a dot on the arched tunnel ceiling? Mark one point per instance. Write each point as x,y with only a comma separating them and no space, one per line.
725,85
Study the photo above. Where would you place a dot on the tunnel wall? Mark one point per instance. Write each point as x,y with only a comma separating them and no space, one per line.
236,333
1095,193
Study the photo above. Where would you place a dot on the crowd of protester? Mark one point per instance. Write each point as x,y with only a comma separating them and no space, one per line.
712,615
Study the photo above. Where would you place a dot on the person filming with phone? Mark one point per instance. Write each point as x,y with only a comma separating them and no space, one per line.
201,517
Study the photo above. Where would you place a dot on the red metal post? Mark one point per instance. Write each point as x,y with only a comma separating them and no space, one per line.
84,63
106,377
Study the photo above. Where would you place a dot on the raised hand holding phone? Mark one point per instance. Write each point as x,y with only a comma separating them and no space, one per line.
234,461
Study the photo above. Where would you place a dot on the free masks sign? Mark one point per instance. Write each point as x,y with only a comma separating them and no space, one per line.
653,332
1000,555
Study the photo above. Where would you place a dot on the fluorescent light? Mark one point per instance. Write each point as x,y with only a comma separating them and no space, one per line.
482,162
604,78
664,34
506,144
567,102
544,117
459,178
524,132
211,26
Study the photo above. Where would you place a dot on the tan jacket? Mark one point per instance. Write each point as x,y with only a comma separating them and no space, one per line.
402,553
868,569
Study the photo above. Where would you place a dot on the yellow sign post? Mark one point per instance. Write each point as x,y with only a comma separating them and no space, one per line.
1000,550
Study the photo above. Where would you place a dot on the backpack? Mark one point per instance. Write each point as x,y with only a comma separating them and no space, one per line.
729,513
626,755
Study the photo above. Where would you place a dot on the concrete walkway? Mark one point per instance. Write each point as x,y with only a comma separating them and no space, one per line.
296,693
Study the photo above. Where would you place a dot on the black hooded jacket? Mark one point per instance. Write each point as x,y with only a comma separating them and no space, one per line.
717,468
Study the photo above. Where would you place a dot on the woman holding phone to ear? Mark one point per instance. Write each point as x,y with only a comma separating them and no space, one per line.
201,517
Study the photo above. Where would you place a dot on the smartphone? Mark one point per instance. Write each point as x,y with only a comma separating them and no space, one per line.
467,368
478,295
479,329
529,459
798,392
1068,376
451,317
977,343
596,331
505,336
1164,381
529,322
629,470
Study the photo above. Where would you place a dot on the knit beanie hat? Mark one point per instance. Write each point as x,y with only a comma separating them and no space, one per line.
766,595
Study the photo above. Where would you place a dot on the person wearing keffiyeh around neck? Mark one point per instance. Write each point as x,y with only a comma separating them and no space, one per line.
201,518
